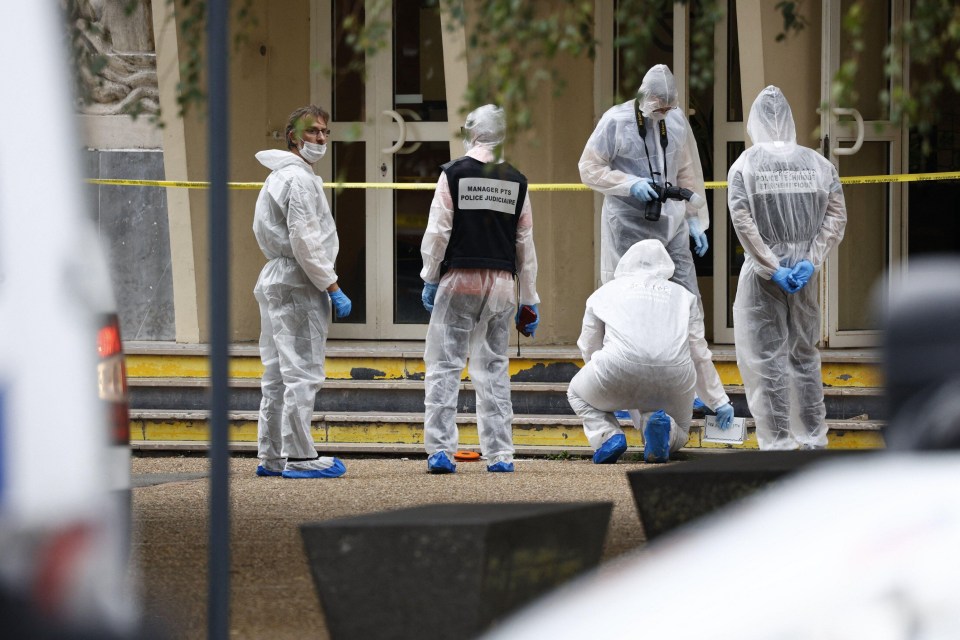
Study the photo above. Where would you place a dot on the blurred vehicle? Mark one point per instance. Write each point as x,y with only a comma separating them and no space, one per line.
64,430
858,547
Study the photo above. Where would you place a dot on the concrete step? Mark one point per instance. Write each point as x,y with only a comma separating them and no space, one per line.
181,394
380,361
373,396
358,431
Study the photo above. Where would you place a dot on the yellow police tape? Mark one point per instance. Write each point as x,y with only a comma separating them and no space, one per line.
429,186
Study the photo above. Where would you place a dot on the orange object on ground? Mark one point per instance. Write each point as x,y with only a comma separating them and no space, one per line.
466,455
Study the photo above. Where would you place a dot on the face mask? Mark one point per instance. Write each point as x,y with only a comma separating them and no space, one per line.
312,152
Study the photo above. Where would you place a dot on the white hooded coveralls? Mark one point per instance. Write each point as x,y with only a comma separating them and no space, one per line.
643,348
614,159
786,204
296,232
473,316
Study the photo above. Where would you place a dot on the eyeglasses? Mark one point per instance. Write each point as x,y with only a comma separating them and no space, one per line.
314,131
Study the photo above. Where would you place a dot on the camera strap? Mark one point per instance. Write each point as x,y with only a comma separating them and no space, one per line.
642,130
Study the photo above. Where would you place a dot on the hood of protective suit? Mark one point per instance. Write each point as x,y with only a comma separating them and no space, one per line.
485,126
771,119
274,159
645,258
658,90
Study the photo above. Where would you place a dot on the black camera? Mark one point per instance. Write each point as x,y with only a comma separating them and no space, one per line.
652,209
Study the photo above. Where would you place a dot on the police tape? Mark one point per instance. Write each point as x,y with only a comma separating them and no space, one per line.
429,186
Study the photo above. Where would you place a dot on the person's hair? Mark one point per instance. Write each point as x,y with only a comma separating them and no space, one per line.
295,117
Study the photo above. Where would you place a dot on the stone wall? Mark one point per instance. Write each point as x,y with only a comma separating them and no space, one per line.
132,224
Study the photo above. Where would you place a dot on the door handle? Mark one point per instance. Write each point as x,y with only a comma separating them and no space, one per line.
415,117
402,138
849,151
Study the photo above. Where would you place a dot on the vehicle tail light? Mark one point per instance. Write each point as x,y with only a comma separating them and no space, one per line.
112,379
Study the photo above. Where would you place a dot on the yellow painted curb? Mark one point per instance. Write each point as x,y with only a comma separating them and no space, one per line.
186,430
850,375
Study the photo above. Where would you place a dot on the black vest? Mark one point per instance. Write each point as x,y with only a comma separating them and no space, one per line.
487,200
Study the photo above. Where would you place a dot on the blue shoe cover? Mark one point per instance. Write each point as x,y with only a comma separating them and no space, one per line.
623,414
439,462
698,404
263,472
500,467
611,450
335,470
656,438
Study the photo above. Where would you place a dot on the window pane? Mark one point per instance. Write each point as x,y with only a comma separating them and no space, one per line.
411,210
349,104
935,228
734,93
419,88
869,80
350,212
630,64
864,250
735,255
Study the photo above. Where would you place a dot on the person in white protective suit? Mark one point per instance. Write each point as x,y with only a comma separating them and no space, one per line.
296,288
479,234
623,165
787,207
643,348
639,148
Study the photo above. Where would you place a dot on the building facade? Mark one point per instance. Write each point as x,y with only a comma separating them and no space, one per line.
399,121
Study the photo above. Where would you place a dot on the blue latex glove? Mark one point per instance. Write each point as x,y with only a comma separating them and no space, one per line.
642,191
699,237
782,278
341,303
800,274
724,416
531,326
428,295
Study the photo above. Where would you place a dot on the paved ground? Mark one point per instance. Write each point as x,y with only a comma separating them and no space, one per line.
272,591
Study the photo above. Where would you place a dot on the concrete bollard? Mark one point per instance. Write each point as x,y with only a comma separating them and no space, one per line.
447,570
671,495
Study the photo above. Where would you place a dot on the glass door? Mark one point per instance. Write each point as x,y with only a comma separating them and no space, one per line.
619,73
728,143
391,122
860,140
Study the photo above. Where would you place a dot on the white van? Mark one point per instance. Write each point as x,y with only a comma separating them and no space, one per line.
64,454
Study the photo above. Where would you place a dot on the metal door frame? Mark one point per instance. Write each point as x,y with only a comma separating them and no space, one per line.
844,136
381,132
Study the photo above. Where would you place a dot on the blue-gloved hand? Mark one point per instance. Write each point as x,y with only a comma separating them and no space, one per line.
428,295
642,191
532,325
341,303
724,416
800,274
699,237
782,278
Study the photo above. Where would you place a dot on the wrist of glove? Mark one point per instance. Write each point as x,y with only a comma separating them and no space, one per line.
781,277
724,416
699,237
800,274
643,190
528,319
429,295
341,303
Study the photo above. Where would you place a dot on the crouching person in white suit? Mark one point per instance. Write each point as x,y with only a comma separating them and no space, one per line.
643,348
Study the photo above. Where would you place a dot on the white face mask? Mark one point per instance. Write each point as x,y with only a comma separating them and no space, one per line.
312,152
657,116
